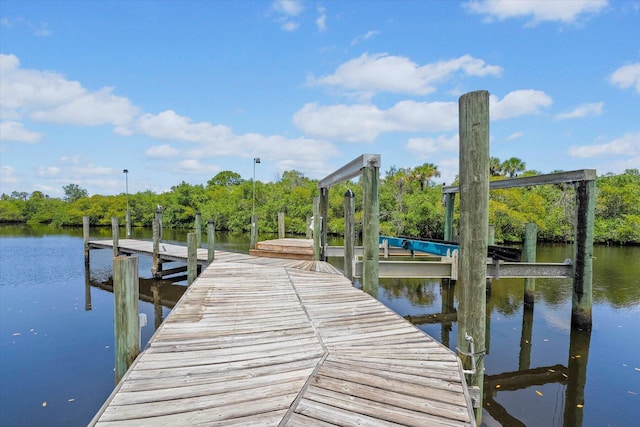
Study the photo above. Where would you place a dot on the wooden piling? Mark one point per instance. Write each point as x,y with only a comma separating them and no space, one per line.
349,234
474,225
324,214
280,225
211,241
491,235
583,256
371,228
115,231
192,257
198,229
159,211
316,228
529,255
449,202
85,236
156,267
126,323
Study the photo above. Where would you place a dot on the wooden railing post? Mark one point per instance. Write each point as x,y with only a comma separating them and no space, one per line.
317,220
371,228
349,234
529,255
115,231
126,320
85,236
198,229
192,257
280,225
308,231
211,241
324,214
449,202
474,224
156,267
583,256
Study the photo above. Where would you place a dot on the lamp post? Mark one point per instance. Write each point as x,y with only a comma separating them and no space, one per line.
254,220
128,218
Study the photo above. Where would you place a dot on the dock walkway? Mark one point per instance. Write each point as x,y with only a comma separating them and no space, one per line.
260,342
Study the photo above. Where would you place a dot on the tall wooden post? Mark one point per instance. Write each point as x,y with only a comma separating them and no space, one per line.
126,322
324,214
349,234
85,236
583,256
254,231
192,257
159,218
474,224
449,202
198,229
491,235
371,227
308,232
156,267
211,241
529,255
115,231
317,220
280,225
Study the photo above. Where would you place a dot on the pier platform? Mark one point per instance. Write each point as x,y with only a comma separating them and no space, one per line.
267,342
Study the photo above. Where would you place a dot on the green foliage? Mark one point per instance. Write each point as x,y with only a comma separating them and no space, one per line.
410,205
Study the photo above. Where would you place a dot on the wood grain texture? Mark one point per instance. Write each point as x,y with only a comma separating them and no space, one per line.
259,341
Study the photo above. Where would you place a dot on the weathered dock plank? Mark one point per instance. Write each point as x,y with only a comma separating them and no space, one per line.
256,341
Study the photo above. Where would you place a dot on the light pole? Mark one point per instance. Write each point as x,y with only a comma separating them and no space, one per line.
128,218
254,231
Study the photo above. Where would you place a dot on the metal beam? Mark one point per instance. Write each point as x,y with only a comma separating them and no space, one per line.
442,269
527,181
350,170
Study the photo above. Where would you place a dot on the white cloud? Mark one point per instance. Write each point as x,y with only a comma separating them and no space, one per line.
14,131
425,147
321,21
594,109
628,145
365,36
363,123
161,152
7,175
397,74
518,103
286,10
49,97
40,29
194,166
515,135
287,7
567,11
627,76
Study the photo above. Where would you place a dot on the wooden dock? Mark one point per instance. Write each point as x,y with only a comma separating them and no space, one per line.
265,341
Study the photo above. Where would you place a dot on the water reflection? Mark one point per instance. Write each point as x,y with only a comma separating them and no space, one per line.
161,293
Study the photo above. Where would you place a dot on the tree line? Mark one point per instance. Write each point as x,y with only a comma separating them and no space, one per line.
410,205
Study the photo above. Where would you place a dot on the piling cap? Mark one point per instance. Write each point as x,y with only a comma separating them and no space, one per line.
349,193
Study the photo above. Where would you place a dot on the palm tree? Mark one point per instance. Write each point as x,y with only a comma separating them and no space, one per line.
495,168
512,166
424,173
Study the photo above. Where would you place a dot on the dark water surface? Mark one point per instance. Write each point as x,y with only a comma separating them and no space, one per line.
56,333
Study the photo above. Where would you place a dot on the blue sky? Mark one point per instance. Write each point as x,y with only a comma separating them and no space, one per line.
180,90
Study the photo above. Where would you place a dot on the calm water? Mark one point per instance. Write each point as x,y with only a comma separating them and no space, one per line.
56,333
